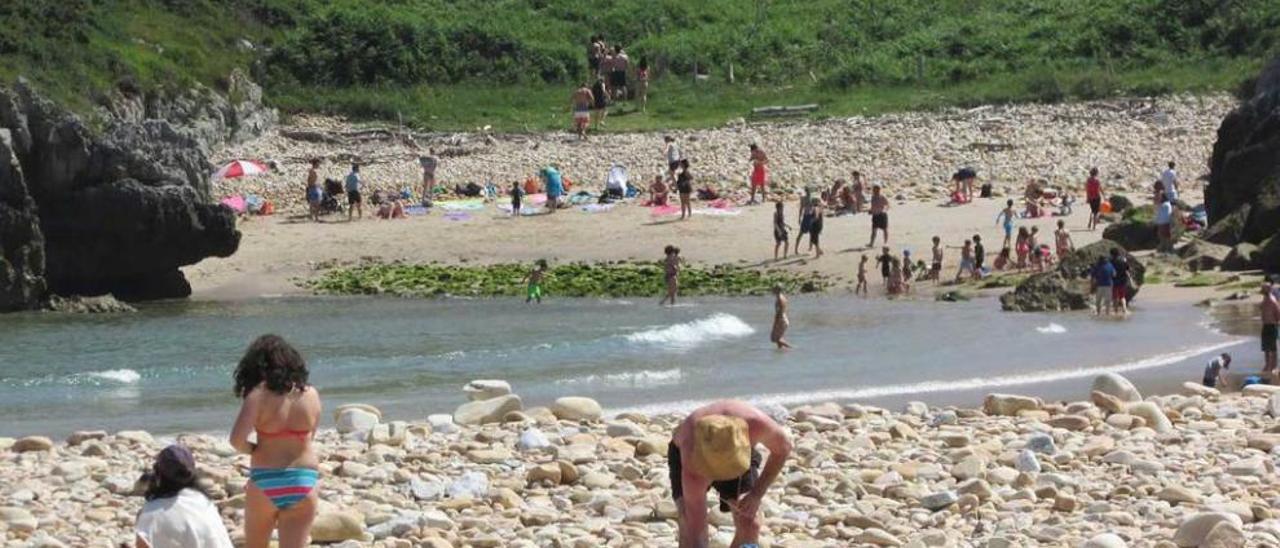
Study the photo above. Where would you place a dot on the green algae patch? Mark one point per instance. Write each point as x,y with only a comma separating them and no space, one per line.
618,279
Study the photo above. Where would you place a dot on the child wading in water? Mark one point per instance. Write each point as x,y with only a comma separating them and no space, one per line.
781,234
672,273
534,278
780,321
862,277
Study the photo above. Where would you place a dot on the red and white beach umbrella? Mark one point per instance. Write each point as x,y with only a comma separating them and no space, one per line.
240,168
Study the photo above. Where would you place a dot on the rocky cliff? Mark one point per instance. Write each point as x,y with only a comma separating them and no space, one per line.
1243,195
120,209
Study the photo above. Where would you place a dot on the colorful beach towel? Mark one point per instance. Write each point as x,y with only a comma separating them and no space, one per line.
713,212
461,205
236,203
661,211
597,208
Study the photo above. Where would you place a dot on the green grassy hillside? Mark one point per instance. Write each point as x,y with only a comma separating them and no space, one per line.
510,63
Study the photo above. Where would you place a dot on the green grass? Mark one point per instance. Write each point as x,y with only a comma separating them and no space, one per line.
1199,280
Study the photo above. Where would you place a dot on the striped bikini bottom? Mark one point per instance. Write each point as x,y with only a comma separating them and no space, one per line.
285,486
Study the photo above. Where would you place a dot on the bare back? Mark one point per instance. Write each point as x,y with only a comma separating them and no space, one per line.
281,421
1270,310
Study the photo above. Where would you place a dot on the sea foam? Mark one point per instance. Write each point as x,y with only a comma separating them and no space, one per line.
691,334
1052,329
630,379
122,376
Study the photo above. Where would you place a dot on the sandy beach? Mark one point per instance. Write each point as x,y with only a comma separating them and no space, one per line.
1099,471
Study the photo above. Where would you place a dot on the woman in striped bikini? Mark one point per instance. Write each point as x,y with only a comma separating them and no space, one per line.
284,411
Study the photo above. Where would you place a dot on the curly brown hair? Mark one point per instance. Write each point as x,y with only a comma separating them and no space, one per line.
272,361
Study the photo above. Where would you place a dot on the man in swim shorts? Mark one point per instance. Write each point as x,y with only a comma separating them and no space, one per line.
1270,328
758,175
582,100
715,447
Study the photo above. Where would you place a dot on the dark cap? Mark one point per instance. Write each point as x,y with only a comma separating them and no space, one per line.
176,464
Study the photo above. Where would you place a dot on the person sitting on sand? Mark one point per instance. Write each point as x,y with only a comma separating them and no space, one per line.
177,512
659,194
862,277
671,274
533,291
780,321
781,232
1001,263
284,410
1215,373
714,447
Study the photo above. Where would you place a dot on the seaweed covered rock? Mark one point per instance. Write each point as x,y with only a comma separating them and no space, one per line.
1244,179
1136,231
1067,286
1119,203
1202,255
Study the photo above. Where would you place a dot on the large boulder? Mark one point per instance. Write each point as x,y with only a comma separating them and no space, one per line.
1245,167
1201,255
1229,229
1067,286
573,408
487,411
1114,384
22,282
485,389
1133,234
1243,256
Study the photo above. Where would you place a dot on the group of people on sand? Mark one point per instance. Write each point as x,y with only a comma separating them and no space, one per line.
714,447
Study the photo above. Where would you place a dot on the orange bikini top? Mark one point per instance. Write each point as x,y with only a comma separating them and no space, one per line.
299,434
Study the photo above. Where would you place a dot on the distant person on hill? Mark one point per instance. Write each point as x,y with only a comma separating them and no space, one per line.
780,320
595,53
1215,372
684,187
618,73
672,152
781,232
553,182
429,162
354,201
1169,180
715,447
283,411
1093,195
671,274
582,101
642,83
533,291
1270,330
759,161
315,194
862,276
177,512
600,92
879,215
1103,277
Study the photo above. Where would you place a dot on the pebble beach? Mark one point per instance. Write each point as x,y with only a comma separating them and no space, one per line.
1111,469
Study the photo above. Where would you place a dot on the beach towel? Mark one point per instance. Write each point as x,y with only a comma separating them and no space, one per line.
597,208
664,210
461,205
536,199
236,203
415,210
582,198
714,212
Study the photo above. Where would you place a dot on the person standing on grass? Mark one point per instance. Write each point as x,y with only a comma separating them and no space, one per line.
429,164
582,101
1093,194
879,215
618,73
780,320
595,53
758,171
642,83
671,274
1169,180
354,200
1164,225
1270,329
600,93
715,447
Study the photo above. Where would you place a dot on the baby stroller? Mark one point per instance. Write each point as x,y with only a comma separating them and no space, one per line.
615,185
329,202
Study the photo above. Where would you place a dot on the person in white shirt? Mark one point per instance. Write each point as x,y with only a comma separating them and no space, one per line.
177,513
1215,372
1164,225
1170,181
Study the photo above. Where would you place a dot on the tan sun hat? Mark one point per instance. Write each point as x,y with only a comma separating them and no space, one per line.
721,447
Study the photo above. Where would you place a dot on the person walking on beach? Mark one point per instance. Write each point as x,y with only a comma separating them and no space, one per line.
554,184
815,226
429,162
671,274
1062,240
284,410
1008,214
315,194
780,321
177,512
533,291
1215,371
781,232
1169,182
715,447
582,101
1164,225
806,215
1270,329
1093,195
354,201
1120,285
1103,276
684,187
979,256
966,261
879,215
862,277
672,152
759,176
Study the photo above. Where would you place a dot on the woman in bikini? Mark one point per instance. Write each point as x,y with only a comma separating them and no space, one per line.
284,411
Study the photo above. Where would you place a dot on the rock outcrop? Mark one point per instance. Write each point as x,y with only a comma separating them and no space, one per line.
1243,195
118,210
1067,286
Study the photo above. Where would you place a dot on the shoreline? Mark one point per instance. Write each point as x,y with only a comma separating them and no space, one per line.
921,473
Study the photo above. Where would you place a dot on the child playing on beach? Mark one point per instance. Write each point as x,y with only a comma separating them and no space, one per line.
780,321
516,194
1215,372
534,279
1063,240
1022,247
781,234
862,277
1008,214
979,256
1002,260
671,267
1033,243
883,261
895,276
966,260
935,271
906,270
